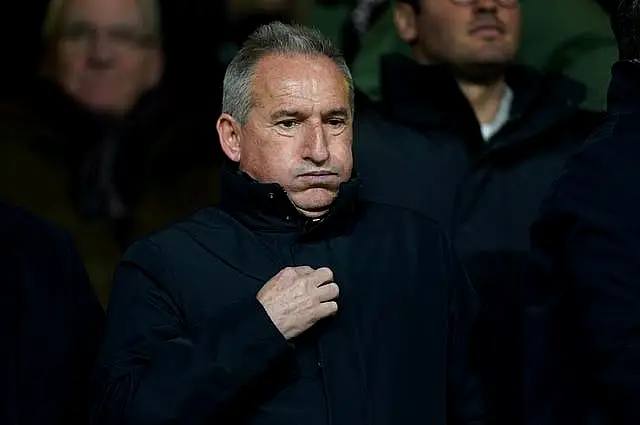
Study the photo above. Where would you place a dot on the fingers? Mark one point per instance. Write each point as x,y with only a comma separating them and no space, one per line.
294,272
326,309
327,292
320,277
303,270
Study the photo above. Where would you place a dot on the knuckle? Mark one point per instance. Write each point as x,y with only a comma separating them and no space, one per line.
326,271
308,302
302,270
288,271
307,281
282,273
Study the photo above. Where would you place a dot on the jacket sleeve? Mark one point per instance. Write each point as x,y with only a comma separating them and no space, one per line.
154,368
59,328
465,398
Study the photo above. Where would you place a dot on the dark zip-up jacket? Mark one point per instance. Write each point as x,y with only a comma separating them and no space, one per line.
188,343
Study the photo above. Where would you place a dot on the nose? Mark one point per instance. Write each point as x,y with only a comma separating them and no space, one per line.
316,147
486,5
100,52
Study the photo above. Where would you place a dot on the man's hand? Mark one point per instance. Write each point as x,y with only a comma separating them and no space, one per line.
297,297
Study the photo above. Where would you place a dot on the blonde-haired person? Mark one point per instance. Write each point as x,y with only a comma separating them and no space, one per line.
99,146
104,54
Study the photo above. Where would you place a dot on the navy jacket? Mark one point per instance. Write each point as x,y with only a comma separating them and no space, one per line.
188,343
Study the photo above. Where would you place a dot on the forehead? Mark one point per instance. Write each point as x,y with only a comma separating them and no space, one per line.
448,7
299,79
103,11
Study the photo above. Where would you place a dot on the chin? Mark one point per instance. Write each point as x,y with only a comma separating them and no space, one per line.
314,200
104,106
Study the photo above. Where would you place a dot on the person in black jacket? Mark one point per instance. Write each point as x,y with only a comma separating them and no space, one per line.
476,142
292,301
588,239
50,324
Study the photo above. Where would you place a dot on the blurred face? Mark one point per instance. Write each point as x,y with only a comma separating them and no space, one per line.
107,55
298,133
461,32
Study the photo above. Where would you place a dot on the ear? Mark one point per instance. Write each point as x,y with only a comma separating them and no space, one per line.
404,18
229,133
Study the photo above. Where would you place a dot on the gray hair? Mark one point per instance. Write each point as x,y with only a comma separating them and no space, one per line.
274,38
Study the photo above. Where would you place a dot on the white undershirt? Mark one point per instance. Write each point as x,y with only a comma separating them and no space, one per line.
502,116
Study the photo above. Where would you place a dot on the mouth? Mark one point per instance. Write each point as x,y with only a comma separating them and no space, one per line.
486,29
319,173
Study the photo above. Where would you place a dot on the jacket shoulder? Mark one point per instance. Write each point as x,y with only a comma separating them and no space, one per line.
599,176
41,258
181,239
400,216
22,227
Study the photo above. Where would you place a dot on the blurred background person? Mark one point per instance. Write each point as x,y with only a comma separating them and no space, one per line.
571,37
476,140
97,144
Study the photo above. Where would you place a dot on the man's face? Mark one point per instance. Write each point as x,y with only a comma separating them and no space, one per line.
459,32
107,55
299,131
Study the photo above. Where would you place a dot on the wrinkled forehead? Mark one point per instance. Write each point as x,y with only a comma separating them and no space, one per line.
130,13
299,78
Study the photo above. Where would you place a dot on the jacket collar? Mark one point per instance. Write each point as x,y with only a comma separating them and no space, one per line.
428,97
624,89
266,206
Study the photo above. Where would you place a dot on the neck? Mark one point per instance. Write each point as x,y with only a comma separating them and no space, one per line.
482,85
484,98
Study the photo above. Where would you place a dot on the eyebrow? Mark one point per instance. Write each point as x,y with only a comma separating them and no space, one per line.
336,112
332,113
80,19
282,113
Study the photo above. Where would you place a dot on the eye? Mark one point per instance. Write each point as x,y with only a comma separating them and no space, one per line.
125,36
336,122
288,124
77,32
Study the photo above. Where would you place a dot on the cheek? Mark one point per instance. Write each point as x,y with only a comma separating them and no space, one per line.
267,159
68,60
134,64
342,151
440,32
513,20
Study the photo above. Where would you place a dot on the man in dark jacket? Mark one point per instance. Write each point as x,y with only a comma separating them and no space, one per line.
50,324
98,146
588,237
476,142
233,315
